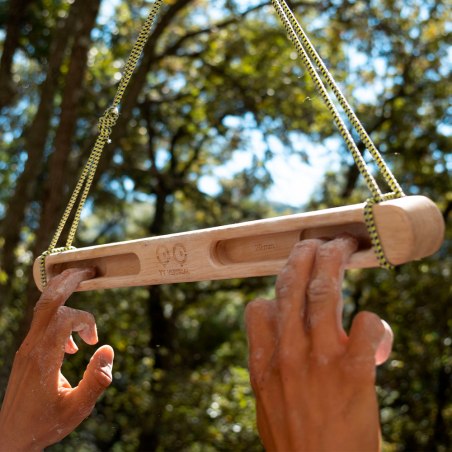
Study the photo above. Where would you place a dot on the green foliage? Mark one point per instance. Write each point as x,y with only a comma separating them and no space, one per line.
215,72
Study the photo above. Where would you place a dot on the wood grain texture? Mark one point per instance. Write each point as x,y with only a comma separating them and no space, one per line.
409,228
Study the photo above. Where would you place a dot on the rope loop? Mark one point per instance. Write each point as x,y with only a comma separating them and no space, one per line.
306,51
372,228
42,261
105,126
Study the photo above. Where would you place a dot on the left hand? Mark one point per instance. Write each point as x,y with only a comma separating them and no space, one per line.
40,406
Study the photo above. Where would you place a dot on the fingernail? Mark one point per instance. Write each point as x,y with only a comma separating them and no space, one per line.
104,361
91,271
95,337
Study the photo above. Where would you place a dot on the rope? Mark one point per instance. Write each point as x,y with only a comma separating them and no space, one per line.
387,174
300,41
105,126
298,36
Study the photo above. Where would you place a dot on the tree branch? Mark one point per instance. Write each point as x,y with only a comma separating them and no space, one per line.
172,50
129,101
181,132
447,211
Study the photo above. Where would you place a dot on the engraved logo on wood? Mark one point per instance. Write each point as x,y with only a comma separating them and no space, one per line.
174,272
163,255
179,254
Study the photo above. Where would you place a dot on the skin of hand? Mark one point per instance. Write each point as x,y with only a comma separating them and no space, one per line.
40,406
314,385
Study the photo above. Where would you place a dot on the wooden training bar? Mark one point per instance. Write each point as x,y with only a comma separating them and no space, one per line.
409,228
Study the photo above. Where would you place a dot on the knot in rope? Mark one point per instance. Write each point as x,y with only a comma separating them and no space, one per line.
43,258
106,123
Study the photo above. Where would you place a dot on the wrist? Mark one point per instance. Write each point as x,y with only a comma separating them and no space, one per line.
11,443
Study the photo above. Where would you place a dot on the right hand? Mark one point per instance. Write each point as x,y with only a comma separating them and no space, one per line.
40,406
314,386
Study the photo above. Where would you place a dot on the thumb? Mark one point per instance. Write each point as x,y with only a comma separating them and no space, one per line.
385,347
96,379
370,336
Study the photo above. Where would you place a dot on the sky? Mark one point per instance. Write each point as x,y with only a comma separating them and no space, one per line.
294,181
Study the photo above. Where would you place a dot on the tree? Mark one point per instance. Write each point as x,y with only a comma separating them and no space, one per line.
180,378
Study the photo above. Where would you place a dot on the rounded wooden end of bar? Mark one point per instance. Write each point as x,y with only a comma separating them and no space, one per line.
409,228
37,273
127,264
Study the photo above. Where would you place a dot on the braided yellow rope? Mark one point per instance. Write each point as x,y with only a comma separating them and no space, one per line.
106,123
370,181
389,177
298,36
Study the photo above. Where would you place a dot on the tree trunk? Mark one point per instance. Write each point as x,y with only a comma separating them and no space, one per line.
52,207
352,177
53,196
161,337
447,211
35,140
440,437
16,14
53,192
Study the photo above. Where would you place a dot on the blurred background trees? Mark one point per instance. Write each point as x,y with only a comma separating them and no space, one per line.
213,74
